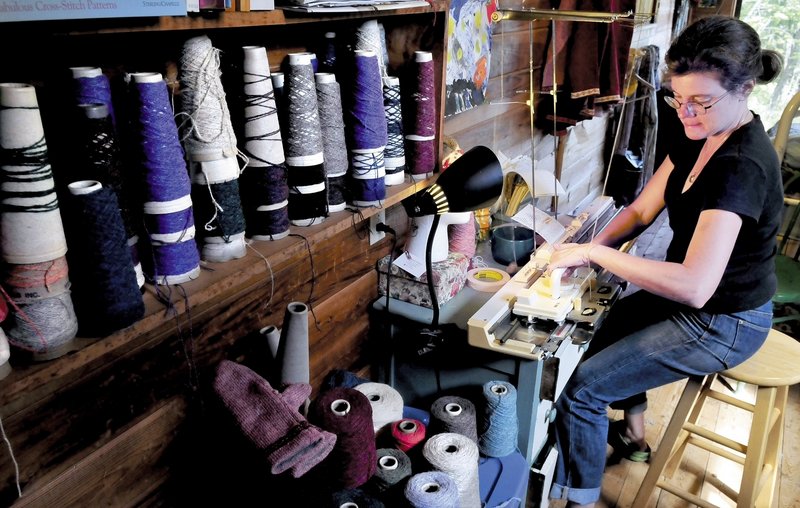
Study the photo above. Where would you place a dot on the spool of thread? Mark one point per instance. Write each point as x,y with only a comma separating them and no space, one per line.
342,378
462,237
30,283
91,86
5,355
454,414
394,466
45,327
354,498
218,207
264,190
105,291
171,256
499,425
387,403
487,280
28,201
456,455
272,334
420,149
347,413
329,100
278,85
368,135
206,128
394,154
328,61
211,147
407,433
308,200
100,159
369,37
432,489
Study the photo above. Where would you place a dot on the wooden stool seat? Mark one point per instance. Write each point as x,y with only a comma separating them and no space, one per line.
772,369
775,364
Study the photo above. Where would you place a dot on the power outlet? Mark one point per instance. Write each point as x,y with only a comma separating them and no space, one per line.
374,234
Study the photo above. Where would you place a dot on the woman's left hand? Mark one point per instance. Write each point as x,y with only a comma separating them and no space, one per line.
570,254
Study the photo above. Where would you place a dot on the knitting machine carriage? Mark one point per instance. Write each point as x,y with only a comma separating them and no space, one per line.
532,314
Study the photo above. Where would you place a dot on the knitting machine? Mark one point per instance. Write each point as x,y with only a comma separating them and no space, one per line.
532,314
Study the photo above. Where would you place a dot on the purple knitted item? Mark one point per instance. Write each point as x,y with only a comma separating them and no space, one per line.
270,419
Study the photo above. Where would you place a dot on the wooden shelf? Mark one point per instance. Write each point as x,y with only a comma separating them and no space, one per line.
198,21
217,282
113,389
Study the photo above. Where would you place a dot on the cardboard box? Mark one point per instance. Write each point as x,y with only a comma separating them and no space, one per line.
449,277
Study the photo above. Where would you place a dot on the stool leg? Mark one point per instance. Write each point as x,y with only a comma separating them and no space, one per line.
665,447
766,497
683,437
757,445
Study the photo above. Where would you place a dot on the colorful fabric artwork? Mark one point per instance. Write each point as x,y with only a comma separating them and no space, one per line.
469,41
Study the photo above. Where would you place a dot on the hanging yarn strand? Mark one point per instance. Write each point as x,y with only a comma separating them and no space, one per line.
308,201
172,256
264,189
420,142
211,147
329,100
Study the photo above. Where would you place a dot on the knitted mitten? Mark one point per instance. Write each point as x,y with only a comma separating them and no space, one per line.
270,419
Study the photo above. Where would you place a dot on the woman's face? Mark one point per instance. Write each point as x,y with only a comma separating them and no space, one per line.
723,109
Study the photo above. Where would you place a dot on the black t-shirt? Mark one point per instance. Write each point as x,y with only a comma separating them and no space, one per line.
743,177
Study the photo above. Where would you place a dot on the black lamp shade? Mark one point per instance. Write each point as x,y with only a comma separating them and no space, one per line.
473,181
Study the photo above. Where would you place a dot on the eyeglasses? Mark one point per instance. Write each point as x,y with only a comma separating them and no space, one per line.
695,107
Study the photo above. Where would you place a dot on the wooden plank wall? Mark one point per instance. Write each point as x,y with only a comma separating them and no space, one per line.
137,427
131,419
503,122
73,443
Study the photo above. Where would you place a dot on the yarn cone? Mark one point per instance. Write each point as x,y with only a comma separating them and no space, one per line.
293,347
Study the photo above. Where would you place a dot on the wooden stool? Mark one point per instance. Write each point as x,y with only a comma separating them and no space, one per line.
772,369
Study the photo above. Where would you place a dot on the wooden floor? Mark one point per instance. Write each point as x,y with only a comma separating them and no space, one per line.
701,471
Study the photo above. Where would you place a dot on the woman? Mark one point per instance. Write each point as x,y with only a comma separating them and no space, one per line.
707,307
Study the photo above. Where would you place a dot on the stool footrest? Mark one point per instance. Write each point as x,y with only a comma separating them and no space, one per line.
716,438
685,495
733,401
716,449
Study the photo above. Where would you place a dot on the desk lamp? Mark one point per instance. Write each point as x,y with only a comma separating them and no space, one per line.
472,182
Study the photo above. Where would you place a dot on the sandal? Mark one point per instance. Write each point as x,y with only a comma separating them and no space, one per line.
622,446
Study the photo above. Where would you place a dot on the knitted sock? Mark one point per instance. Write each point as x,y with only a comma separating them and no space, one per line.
270,419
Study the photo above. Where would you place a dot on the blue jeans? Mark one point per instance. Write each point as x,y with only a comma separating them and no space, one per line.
647,341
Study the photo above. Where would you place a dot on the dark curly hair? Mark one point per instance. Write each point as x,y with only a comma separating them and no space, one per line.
726,46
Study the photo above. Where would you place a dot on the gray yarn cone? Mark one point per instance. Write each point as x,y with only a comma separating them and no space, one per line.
293,347
273,336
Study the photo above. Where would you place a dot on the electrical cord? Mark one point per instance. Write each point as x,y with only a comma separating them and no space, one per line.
386,229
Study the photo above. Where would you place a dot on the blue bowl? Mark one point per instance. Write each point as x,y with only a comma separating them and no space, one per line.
512,244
